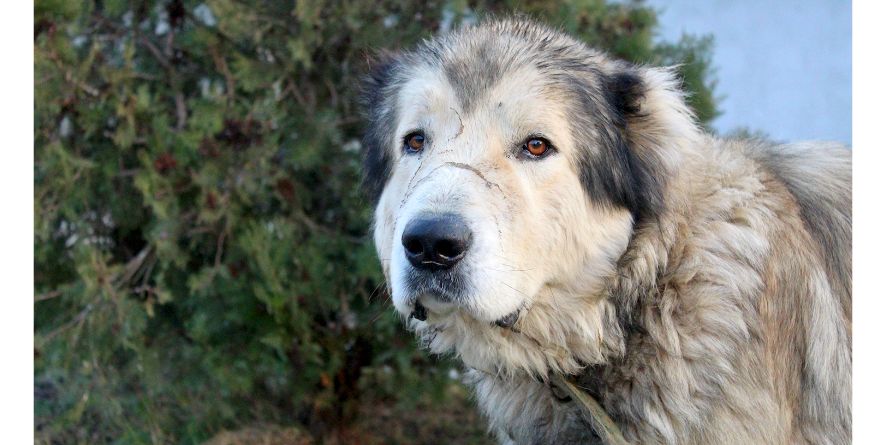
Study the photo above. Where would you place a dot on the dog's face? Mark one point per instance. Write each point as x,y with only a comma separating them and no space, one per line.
502,168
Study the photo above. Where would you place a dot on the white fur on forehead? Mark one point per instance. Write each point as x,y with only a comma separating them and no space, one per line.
521,96
426,88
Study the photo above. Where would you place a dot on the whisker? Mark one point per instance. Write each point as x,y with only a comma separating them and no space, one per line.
378,287
514,288
509,270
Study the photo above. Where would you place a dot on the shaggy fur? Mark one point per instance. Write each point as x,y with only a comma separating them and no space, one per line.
699,288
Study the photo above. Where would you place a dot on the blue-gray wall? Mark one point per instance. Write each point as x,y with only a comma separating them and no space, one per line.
784,66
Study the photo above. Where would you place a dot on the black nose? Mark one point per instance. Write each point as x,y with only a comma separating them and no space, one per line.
434,242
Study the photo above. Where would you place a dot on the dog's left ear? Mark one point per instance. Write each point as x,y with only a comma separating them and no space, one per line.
625,90
378,110
650,105
646,121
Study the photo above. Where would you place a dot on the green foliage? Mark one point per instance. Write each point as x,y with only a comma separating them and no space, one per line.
201,252
692,56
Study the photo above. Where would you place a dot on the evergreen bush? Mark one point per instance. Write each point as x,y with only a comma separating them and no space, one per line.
202,260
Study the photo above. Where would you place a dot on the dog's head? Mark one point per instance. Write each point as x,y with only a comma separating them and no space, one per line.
509,164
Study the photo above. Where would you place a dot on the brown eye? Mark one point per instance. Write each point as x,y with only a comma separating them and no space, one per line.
536,147
415,142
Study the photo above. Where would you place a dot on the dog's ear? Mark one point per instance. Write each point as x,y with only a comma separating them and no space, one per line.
624,90
379,112
644,122
651,106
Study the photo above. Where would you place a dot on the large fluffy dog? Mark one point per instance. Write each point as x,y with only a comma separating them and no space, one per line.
542,209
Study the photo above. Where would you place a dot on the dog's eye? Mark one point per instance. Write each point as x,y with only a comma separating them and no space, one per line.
414,142
536,147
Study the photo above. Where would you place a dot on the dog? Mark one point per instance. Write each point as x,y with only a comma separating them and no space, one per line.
543,209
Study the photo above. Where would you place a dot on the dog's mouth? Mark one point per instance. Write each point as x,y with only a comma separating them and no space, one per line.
508,321
431,303
420,313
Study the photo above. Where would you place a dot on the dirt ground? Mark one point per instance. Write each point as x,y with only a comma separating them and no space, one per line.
458,422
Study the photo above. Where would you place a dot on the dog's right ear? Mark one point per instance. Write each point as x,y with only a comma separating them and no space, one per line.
377,94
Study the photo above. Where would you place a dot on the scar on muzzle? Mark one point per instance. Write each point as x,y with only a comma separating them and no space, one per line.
489,184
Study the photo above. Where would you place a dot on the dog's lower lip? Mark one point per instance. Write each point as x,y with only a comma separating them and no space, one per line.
419,312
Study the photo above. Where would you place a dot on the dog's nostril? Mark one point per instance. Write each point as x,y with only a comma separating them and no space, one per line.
413,246
448,248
